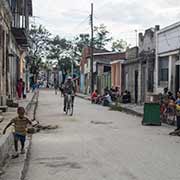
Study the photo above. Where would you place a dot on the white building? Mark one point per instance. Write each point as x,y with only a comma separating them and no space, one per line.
167,66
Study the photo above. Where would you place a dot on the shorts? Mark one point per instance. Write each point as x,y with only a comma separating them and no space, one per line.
19,137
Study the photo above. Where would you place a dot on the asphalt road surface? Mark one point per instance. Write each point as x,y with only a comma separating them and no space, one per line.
98,144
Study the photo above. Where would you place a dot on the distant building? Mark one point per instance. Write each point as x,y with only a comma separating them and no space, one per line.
101,68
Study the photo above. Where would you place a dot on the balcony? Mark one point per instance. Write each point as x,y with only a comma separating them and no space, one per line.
21,37
21,10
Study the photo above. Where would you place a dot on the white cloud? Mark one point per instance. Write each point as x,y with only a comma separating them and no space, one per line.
69,17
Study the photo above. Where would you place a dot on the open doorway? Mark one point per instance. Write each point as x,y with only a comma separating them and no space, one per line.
177,78
136,86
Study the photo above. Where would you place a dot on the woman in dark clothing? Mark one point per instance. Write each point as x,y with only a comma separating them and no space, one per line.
20,88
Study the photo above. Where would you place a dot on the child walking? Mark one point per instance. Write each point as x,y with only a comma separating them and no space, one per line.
20,124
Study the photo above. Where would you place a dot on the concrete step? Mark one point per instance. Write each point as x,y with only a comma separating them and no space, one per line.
11,103
4,108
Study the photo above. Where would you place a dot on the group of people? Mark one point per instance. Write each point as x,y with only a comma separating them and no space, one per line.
126,97
171,104
107,98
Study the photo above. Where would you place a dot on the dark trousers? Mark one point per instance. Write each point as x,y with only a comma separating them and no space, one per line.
178,121
21,138
66,98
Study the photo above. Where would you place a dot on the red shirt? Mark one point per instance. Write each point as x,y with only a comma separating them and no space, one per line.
94,95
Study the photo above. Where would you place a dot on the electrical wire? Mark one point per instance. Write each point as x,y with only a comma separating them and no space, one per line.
82,22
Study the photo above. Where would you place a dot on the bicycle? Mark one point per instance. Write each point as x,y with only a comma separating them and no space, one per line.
69,104
168,115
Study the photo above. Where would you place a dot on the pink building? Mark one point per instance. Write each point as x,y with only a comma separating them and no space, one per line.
116,71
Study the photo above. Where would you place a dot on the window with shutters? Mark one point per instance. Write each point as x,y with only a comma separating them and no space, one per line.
163,71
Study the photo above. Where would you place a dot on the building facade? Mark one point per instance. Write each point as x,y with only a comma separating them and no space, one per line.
167,66
5,26
147,48
117,72
139,66
132,74
101,68
14,25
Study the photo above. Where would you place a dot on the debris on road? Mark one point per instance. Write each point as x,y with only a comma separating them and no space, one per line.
100,122
175,133
37,127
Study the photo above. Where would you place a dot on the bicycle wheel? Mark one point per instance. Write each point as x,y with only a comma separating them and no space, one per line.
71,109
67,107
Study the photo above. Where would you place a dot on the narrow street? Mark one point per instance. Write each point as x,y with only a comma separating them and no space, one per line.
97,144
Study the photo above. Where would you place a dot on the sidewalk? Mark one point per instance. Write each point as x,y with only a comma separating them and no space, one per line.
133,109
6,141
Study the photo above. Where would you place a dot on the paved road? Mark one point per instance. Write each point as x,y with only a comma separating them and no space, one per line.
98,144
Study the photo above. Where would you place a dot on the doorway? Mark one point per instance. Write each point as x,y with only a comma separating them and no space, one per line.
136,86
177,78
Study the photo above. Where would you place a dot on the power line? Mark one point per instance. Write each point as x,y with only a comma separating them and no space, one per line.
82,22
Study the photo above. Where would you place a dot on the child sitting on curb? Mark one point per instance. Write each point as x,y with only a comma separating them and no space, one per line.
20,124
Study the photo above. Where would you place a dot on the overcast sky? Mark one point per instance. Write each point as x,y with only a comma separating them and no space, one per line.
122,17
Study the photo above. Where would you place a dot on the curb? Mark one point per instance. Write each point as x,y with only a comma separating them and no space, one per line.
124,109
132,112
82,97
26,160
28,153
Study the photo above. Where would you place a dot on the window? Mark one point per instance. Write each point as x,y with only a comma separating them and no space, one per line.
163,70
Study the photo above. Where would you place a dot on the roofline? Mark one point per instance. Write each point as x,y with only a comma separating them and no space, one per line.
117,61
107,53
102,62
172,26
132,61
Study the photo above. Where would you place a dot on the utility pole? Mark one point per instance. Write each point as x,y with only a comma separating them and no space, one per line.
136,37
72,64
72,68
92,48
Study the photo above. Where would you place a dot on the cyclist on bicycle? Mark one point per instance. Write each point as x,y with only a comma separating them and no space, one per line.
69,88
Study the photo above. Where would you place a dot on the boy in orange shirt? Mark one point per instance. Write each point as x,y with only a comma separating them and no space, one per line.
20,124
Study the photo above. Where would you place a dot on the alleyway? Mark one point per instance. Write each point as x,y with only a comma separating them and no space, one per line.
98,144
